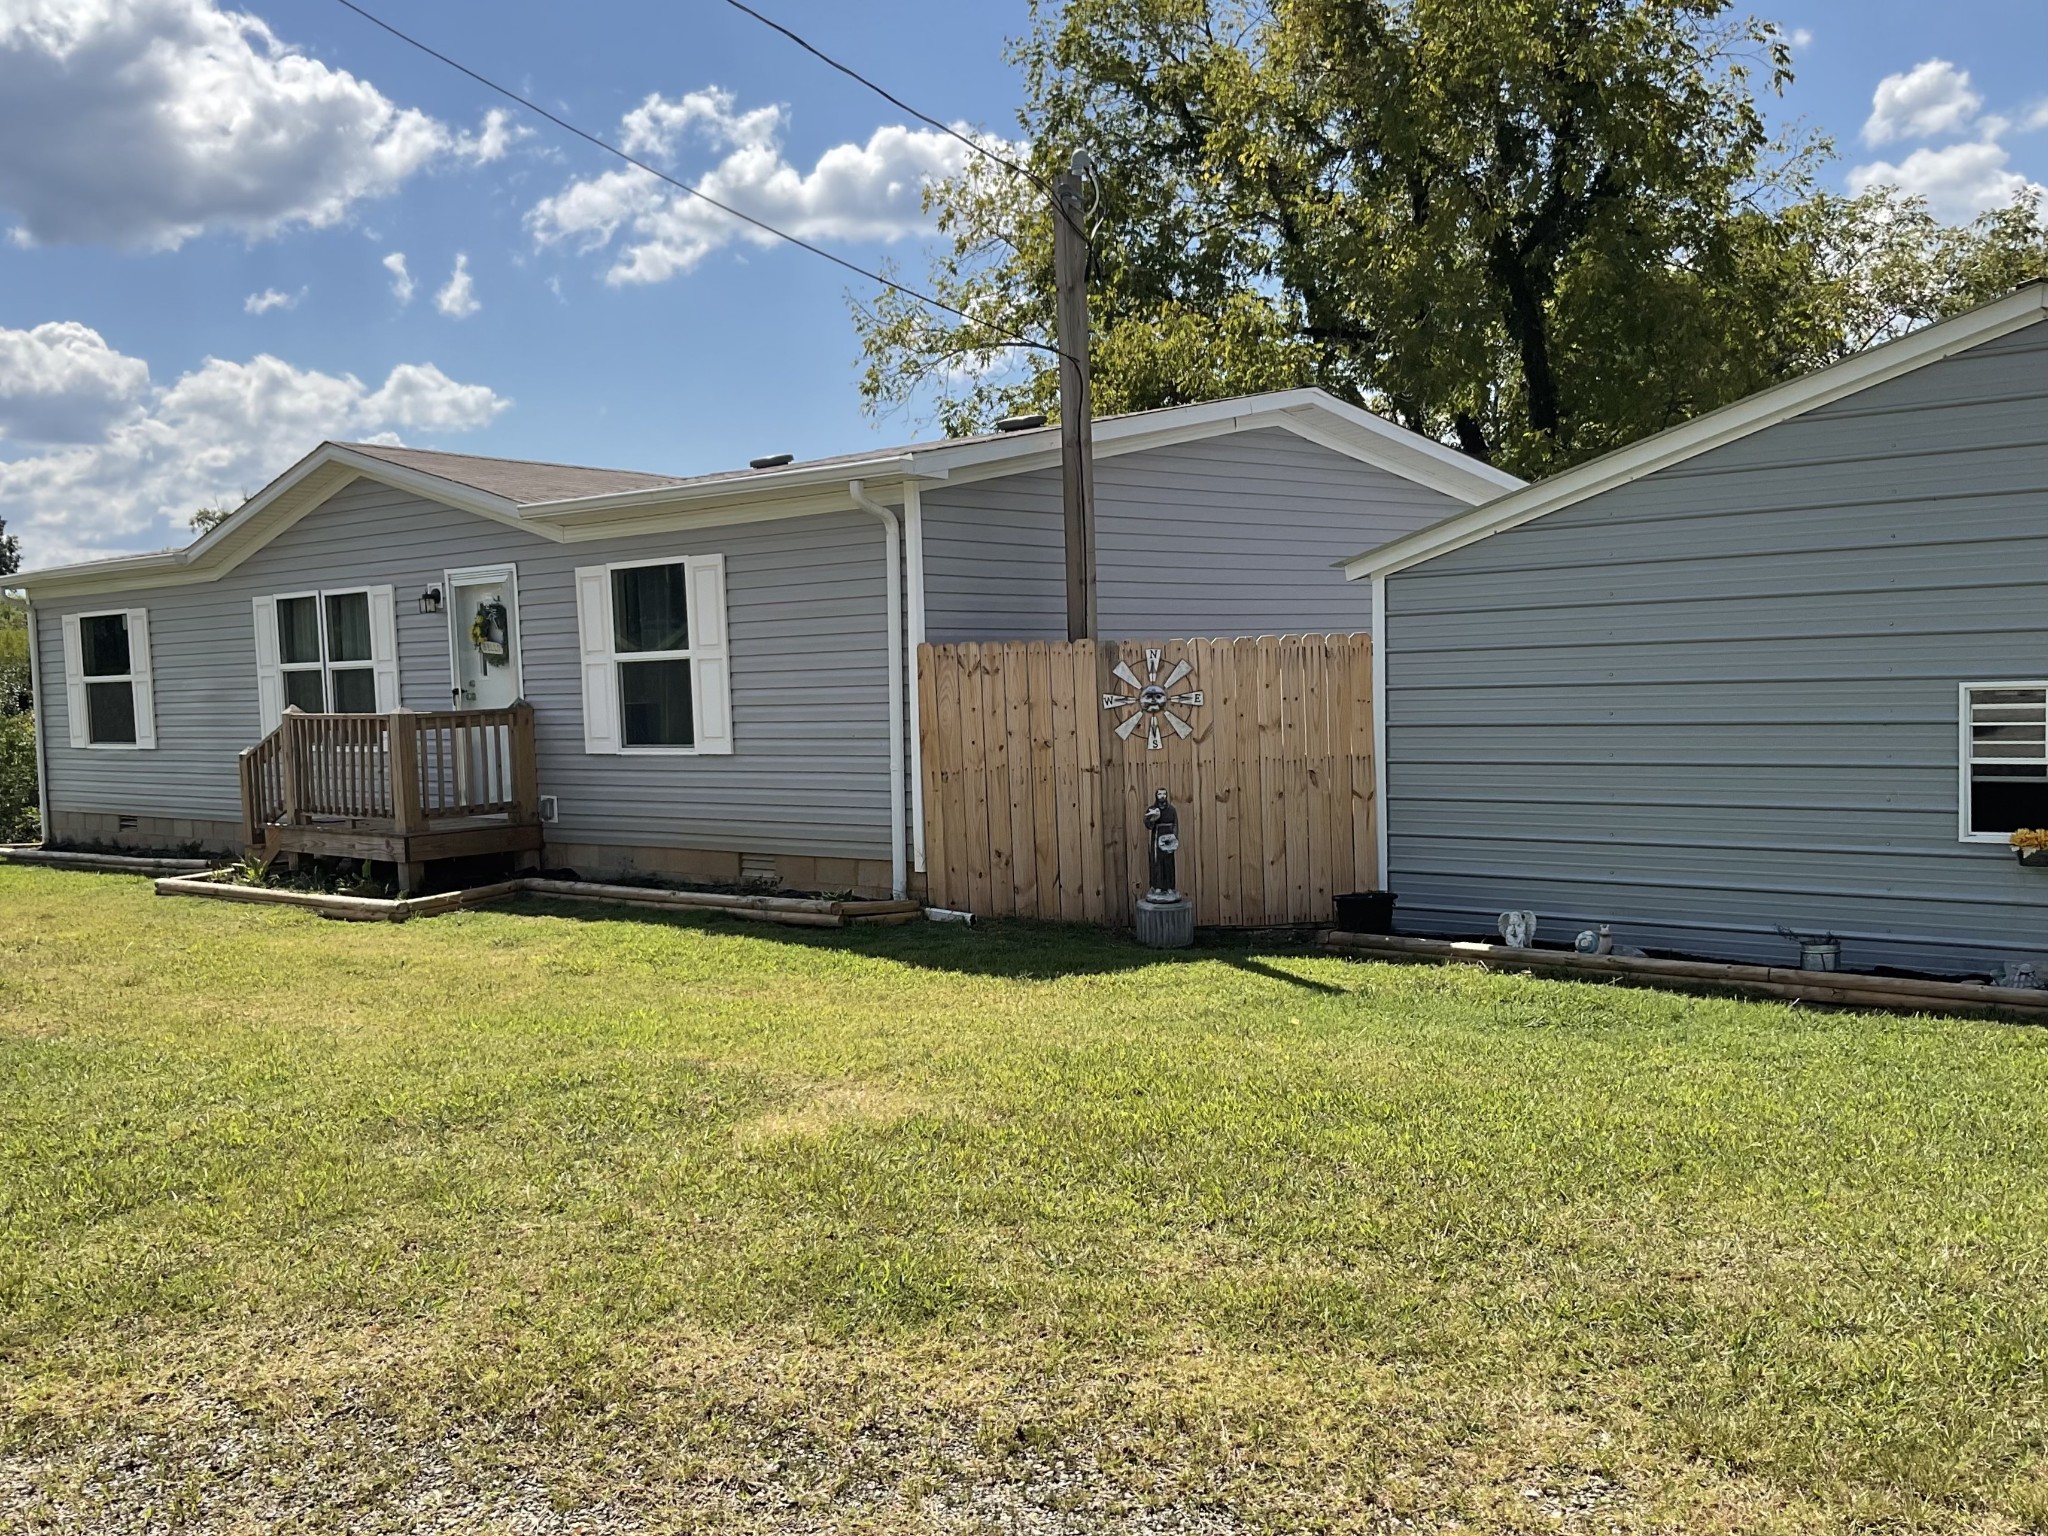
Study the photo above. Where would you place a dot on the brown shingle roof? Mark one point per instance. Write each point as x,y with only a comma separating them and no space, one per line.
519,480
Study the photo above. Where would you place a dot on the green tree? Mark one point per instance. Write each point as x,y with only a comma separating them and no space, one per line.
1538,229
206,519
17,726
10,551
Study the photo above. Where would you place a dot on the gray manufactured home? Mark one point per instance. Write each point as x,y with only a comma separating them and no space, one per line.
717,667
1784,666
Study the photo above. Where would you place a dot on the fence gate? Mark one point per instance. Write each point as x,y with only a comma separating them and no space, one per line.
1040,758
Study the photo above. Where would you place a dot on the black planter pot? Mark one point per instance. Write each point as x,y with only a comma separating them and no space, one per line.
1366,912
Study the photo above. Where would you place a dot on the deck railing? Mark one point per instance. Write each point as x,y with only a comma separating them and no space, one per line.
404,772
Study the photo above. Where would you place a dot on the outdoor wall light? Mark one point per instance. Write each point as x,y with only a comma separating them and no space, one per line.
430,600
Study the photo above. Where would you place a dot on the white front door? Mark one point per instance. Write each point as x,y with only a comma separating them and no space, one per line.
483,625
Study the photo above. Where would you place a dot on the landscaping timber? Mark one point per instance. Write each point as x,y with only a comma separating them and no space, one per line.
1836,988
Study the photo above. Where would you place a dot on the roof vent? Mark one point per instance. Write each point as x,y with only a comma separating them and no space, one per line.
1021,423
772,461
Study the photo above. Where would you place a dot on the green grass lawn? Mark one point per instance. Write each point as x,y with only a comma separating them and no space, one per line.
538,1219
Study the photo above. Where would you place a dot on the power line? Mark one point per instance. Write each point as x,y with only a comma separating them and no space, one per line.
895,101
1009,338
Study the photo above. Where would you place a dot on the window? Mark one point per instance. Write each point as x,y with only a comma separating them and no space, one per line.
108,692
327,652
2004,759
655,675
651,641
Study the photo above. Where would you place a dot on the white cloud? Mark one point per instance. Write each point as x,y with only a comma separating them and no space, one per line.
494,139
1959,181
854,193
270,298
401,280
62,383
2036,118
457,298
1796,38
1931,98
220,430
145,122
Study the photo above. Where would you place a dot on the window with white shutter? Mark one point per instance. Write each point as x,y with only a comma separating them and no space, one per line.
656,675
331,652
109,689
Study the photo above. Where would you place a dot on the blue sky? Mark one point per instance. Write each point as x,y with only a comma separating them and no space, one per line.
206,207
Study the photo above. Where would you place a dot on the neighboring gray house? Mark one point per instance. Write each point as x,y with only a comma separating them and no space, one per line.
717,665
1784,665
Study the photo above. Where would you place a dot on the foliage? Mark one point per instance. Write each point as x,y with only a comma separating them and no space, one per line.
10,551
19,804
1539,229
206,519
20,811
16,687
683,1224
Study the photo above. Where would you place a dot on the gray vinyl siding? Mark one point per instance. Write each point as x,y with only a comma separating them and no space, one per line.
1725,697
1230,535
806,619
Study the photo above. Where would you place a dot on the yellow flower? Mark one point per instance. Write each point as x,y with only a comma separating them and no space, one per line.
2030,837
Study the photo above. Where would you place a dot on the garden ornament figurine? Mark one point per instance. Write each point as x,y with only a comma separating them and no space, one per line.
1166,919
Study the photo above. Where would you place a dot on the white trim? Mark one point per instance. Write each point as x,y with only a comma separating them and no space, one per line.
913,559
1716,429
1965,758
1379,723
77,683
473,575
36,717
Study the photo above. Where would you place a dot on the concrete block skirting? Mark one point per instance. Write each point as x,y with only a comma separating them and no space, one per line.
866,878
144,834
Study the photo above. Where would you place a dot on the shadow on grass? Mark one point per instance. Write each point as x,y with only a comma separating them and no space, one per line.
1011,948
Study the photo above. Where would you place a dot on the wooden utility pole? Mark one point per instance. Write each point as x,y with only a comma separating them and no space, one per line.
1077,433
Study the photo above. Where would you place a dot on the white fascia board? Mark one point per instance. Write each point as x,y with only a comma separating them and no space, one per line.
300,490
644,523
1312,414
1453,474
664,500
1716,429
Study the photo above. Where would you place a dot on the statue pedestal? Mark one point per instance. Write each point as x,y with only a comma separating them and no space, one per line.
1166,923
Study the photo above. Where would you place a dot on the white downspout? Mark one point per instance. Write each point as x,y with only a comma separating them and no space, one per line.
892,543
1379,718
35,704
913,560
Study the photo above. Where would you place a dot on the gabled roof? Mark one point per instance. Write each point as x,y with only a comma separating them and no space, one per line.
1716,429
565,502
522,481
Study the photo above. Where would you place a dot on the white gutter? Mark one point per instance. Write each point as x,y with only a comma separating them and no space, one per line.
892,543
1379,722
913,555
35,705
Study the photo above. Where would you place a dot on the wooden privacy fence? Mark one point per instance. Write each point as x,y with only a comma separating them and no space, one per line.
1036,777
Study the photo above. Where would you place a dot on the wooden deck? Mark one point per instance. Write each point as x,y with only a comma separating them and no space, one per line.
405,788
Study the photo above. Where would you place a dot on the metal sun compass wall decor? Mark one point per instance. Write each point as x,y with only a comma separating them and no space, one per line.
1153,700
